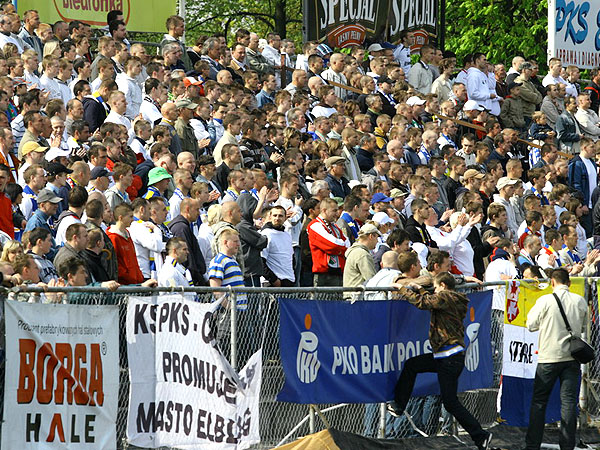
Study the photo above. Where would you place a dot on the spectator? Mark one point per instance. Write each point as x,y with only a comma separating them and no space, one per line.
129,270
360,266
278,253
174,273
180,226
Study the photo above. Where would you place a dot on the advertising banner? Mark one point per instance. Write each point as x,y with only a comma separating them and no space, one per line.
184,393
342,352
520,353
574,32
420,16
62,376
93,12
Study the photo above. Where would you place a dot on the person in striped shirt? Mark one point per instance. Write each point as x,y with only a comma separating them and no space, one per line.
224,271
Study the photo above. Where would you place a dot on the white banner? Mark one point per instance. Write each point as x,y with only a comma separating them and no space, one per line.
62,376
184,393
520,352
574,32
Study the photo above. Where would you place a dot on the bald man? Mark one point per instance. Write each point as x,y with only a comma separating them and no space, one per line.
335,74
170,114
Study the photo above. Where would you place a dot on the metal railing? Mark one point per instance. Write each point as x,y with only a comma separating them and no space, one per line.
282,422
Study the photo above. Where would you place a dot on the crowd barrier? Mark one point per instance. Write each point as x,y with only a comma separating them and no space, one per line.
282,422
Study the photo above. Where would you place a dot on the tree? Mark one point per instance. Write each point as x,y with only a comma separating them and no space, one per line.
282,16
499,28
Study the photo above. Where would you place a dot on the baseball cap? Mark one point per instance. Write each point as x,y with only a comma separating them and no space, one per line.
323,50
415,100
98,172
46,195
369,228
56,168
56,152
514,84
395,193
32,146
380,197
186,103
158,174
472,105
375,47
188,81
382,218
333,160
473,173
505,181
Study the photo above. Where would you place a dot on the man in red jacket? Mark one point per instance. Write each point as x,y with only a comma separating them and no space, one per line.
327,244
6,222
129,270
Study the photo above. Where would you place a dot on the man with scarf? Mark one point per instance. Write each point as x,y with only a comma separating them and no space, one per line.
570,259
327,245
415,225
529,252
356,212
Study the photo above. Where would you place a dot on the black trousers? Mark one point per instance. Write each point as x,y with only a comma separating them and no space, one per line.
448,370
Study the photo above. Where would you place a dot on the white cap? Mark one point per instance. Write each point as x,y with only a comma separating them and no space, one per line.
56,152
375,47
414,100
382,218
472,105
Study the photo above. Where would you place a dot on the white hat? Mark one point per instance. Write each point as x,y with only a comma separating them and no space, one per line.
56,152
414,100
375,47
472,105
382,218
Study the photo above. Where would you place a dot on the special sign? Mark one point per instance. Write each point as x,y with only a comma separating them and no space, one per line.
61,385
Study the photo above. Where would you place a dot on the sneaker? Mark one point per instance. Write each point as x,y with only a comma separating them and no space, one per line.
392,408
486,444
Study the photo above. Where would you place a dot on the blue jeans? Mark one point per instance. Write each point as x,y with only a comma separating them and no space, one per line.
568,373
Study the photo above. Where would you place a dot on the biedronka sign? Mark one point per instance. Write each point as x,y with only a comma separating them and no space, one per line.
93,12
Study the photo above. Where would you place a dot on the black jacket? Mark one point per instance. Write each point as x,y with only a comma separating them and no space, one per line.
481,251
93,113
180,227
95,265
338,188
419,233
252,241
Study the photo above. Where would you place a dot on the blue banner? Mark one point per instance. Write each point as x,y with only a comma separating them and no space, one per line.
342,352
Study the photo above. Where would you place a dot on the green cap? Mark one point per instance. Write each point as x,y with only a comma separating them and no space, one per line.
158,174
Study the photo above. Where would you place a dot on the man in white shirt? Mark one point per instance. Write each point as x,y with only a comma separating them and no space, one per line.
553,76
118,106
293,225
5,33
477,82
128,85
589,123
501,268
335,74
279,270
156,94
173,272
506,189
147,239
47,81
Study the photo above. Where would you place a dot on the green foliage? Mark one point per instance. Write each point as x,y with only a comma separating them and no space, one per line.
499,28
260,16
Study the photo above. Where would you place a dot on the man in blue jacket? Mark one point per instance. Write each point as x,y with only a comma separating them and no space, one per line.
47,207
583,177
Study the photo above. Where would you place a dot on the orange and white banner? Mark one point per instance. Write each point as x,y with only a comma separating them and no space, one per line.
62,376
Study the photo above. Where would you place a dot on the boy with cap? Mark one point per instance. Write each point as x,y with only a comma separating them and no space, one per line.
338,184
99,179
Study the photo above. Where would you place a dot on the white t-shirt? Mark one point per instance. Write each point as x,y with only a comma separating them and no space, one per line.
591,171
492,273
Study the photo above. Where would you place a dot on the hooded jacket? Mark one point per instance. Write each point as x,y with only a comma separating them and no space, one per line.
360,266
252,241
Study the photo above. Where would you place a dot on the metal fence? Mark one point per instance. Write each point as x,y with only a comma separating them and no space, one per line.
283,422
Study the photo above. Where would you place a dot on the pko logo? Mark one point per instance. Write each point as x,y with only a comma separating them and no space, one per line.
307,361
472,353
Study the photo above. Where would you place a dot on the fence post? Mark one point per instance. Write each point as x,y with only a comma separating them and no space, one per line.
585,372
233,306
311,419
382,413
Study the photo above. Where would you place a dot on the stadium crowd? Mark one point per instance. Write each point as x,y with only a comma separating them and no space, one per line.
212,165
